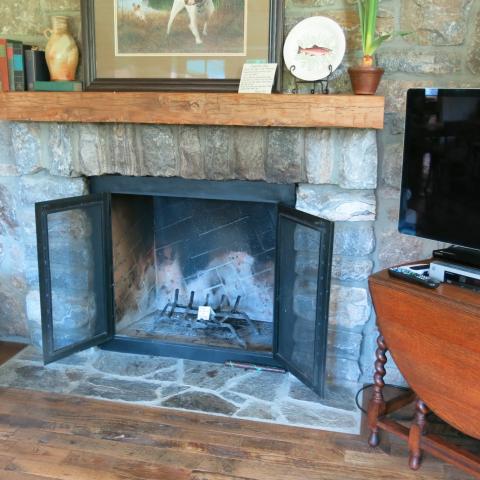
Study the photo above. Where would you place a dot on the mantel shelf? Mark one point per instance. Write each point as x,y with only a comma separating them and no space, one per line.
277,110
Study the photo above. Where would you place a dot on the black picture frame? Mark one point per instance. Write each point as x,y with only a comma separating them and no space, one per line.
93,83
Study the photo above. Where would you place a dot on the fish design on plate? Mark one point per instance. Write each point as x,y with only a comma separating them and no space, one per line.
314,51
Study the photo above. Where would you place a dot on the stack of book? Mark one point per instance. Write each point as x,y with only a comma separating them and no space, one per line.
23,67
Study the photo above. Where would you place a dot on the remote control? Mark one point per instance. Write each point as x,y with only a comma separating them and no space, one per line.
413,277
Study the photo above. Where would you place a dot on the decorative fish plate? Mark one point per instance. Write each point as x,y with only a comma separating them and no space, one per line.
312,46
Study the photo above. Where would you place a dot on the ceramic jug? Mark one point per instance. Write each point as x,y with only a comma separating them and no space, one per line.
61,52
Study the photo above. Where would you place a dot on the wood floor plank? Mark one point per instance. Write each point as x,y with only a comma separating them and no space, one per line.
60,471
27,448
130,467
5,460
13,475
289,455
239,468
6,431
45,436
382,460
9,349
173,438
158,432
169,457
200,421
214,476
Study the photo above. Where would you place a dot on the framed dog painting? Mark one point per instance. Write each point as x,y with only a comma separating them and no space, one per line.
189,45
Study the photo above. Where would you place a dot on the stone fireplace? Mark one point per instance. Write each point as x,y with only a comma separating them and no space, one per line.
333,172
329,173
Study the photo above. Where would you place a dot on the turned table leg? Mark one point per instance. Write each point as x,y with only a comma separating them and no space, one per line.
417,429
376,407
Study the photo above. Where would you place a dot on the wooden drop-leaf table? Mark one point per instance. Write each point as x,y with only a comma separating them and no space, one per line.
433,336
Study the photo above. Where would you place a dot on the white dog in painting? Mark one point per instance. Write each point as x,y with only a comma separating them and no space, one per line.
196,9
138,12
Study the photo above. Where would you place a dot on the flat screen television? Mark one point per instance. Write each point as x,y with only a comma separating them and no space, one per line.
440,193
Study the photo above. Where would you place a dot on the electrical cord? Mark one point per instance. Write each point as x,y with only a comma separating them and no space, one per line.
370,385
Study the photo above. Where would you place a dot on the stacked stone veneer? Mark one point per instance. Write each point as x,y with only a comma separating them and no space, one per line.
442,50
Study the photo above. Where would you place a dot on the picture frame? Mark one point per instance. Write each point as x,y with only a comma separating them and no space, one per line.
112,61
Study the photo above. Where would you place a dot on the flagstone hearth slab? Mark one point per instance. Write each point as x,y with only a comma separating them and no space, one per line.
201,402
187,385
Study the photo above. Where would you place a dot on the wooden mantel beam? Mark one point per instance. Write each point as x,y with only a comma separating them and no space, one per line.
277,110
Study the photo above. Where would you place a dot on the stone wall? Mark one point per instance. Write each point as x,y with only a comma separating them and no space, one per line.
40,161
441,50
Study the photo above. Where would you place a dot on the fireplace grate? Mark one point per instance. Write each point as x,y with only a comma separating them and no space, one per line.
222,315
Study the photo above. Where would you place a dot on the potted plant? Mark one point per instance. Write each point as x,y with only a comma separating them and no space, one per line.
366,77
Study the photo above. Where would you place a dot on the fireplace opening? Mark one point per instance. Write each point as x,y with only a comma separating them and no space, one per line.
174,256
204,270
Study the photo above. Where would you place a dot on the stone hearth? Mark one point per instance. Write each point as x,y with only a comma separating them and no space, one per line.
188,385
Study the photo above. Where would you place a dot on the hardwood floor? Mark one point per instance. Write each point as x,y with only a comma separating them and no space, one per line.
55,437
8,350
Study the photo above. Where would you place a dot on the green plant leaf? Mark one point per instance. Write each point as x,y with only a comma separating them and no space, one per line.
368,13
377,42
362,15
372,9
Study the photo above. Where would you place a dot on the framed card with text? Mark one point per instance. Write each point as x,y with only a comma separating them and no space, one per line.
178,45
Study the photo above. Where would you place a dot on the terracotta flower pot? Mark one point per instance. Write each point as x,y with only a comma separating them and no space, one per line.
365,80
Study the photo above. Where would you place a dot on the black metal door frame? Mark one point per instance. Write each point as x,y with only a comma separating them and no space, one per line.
104,258
316,380
202,353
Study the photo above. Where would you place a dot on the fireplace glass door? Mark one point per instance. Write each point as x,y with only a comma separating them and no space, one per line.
304,258
74,248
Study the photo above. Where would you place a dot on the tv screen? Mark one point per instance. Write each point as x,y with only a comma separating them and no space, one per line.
440,197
